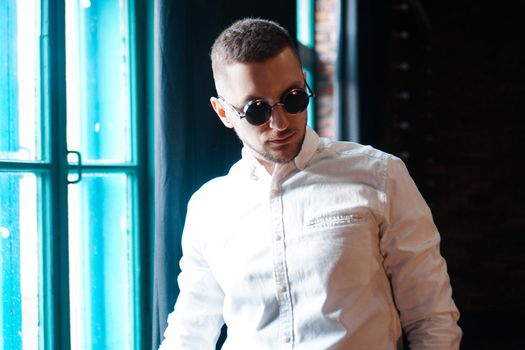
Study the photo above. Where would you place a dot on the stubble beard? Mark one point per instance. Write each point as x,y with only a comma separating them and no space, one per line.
269,157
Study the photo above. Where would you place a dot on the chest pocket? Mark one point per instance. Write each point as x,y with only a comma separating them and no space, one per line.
350,228
341,247
332,221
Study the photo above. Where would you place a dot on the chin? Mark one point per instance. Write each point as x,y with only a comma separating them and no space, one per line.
282,157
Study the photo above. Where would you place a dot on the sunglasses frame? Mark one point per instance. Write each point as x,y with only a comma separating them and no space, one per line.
241,115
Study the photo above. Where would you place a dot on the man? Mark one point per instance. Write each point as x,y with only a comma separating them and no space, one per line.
306,243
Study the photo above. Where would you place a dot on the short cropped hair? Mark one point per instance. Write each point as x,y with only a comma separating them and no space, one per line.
250,40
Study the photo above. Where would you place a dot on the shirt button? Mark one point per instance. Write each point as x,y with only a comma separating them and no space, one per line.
278,237
275,191
282,289
287,339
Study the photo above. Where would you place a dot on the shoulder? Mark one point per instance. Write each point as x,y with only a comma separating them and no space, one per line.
354,163
219,187
352,150
352,155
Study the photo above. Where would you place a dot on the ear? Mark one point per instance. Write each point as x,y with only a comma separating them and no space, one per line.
219,109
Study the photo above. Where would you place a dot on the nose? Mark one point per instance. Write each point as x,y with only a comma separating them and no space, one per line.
279,118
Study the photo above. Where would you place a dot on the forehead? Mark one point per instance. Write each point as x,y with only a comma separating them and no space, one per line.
270,78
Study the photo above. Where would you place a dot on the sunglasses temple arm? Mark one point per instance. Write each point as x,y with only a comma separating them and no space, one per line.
312,94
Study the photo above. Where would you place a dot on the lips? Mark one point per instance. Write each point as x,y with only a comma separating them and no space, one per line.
282,139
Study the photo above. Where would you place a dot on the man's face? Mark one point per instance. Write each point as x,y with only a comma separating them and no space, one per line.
280,139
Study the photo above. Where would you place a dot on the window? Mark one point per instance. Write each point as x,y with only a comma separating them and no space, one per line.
20,185
305,40
71,176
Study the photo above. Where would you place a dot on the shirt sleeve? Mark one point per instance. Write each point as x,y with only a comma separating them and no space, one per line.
196,320
410,243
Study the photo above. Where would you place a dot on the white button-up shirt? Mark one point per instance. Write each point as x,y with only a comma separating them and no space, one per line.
335,250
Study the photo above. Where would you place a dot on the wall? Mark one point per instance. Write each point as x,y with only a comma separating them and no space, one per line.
460,131
326,22
478,105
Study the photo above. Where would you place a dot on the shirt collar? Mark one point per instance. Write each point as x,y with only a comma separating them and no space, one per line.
310,145
308,149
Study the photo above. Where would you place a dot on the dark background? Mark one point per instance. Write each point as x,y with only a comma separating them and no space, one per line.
479,108
455,116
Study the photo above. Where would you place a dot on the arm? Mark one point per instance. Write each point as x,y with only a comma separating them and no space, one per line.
410,243
197,319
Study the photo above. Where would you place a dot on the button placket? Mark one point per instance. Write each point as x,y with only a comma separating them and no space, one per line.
280,271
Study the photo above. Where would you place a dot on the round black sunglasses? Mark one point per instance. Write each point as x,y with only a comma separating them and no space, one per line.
257,111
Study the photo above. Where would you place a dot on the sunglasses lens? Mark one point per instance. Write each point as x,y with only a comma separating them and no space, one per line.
296,101
257,112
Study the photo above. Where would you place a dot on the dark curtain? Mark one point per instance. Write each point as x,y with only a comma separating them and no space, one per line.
191,146
184,140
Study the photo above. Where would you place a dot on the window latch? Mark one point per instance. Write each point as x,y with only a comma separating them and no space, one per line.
77,165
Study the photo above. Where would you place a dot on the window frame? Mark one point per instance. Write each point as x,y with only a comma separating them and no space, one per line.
52,174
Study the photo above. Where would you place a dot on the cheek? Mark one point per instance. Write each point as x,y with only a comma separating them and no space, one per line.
257,137
251,135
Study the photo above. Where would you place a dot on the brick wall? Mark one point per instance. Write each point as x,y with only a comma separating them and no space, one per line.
479,110
325,45
462,138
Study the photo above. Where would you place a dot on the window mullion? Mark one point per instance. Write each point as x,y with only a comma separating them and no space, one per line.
141,34
55,291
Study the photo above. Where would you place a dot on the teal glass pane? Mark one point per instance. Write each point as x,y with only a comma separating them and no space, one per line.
305,22
19,262
19,80
101,262
98,82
